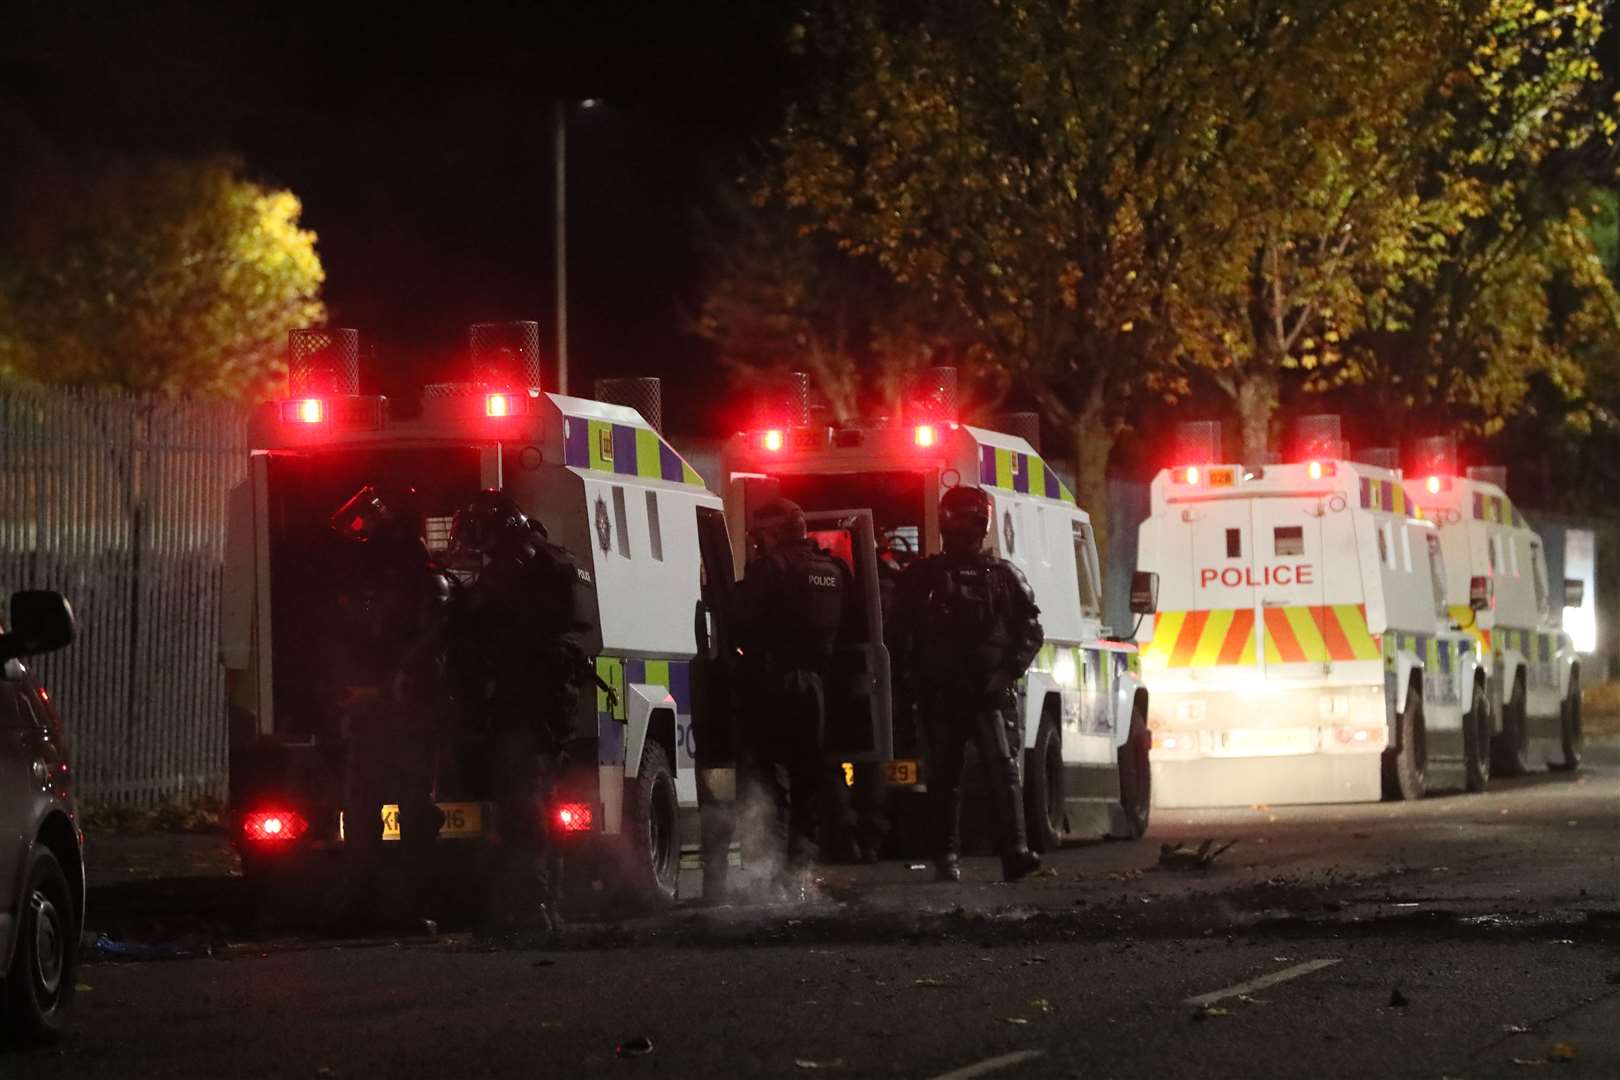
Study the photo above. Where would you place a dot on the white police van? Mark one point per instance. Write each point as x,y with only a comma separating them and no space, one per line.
1497,588
1303,650
604,483
871,493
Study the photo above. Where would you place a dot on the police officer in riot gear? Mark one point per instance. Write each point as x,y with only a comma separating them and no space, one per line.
968,629
790,607
393,602
530,617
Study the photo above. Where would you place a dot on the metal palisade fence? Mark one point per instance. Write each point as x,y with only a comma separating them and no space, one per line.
118,502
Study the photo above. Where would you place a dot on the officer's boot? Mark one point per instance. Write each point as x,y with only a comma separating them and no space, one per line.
1016,858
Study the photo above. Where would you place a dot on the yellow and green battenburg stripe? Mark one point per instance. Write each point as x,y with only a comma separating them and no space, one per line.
624,450
1026,474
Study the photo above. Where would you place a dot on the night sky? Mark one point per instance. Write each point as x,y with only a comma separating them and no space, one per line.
419,139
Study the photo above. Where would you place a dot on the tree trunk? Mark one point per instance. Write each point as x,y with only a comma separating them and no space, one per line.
1093,444
1257,396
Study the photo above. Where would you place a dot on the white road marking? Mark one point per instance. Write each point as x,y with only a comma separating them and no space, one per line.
990,1065
1263,981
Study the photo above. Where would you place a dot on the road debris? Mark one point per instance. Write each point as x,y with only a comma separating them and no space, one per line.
1183,857
1206,1012
1562,1053
640,1046
1012,1019
811,1064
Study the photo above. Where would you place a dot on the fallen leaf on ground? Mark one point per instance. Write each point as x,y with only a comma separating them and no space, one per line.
929,980
1040,1004
1012,1020
1206,1011
1184,857
1561,1052
808,1063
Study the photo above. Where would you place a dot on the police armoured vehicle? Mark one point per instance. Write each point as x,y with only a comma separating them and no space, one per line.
1496,588
871,495
606,485
1303,650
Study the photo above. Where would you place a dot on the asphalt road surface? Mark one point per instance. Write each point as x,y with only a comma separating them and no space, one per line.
1464,936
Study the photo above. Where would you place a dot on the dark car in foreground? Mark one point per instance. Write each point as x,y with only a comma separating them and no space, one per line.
41,865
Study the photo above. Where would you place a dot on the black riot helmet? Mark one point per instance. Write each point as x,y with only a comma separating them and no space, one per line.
777,522
487,519
964,518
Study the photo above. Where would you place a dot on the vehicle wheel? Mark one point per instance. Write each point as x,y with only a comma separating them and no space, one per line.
44,970
1136,777
1043,787
1510,748
1477,740
1572,738
654,861
1404,763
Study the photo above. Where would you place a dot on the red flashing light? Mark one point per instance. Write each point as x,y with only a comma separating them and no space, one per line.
1191,475
574,817
1433,484
273,826
926,435
304,411
499,405
1316,470
772,440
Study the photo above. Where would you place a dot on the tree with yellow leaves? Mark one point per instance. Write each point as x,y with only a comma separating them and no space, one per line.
167,276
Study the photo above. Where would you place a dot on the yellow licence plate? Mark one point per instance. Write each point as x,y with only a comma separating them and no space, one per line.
461,820
901,773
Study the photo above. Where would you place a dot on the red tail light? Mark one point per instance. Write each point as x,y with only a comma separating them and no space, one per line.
574,817
771,440
273,826
926,435
502,405
304,411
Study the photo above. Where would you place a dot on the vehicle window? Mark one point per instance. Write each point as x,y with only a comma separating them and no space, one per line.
1234,543
1406,550
1383,545
1538,570
1513,554
655,530
621,522
1085,572
1490,551
1288,540
1437,575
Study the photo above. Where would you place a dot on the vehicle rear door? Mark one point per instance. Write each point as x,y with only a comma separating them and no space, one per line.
1218,631
1287,575
859,711
713,735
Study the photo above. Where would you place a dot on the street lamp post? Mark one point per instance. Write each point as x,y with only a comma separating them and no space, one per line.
559,133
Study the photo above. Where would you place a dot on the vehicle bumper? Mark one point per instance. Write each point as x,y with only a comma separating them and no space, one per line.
1280,746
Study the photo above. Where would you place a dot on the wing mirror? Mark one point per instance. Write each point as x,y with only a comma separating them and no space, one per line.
1144,592
1574,592
41,622
1481,593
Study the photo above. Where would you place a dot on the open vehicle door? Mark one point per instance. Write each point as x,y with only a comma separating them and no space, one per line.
859,711
713,733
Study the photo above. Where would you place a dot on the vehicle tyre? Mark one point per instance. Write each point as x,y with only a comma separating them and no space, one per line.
653,864
1405,762
1477,740
1572,737
44,969
1136,777
1510,747
1043,787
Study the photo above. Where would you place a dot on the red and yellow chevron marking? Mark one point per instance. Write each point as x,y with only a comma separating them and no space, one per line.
1319,633
1304,634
